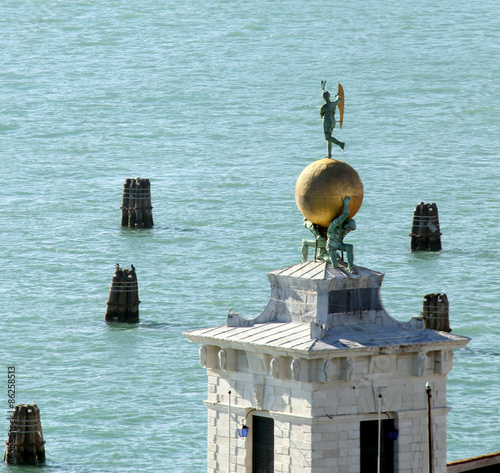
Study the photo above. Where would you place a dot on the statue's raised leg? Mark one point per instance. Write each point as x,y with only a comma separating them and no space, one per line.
331,139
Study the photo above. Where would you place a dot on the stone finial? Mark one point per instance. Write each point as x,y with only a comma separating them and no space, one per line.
317,330
234,319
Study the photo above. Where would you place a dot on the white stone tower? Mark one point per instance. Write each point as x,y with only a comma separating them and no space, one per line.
324,378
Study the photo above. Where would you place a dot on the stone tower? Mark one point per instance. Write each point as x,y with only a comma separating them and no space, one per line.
326,380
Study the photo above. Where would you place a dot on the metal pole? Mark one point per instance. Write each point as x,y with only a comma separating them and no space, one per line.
429,426
379,431
229,432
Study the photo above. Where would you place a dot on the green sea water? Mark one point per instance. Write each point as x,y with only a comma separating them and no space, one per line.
217,104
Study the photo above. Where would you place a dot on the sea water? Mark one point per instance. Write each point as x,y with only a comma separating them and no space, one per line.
217,103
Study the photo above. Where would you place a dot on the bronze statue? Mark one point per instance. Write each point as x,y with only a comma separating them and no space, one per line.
337,230
326,248
327,112
319,244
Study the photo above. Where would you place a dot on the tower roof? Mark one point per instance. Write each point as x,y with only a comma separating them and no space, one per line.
294,337
315,308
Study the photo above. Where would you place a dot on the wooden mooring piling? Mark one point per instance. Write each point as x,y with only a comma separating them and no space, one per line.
425,233
137,211
25,444
123,301
435,312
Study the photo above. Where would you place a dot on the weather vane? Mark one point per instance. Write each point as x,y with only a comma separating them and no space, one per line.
327,112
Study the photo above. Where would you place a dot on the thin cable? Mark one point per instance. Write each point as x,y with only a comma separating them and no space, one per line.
379,431
228,431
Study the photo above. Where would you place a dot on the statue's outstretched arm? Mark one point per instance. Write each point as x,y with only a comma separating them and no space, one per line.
346,211
337,222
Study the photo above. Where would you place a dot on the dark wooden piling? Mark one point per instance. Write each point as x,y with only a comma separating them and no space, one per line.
147,208
125,202
121,287
435,312
425,233
25,444
132,204
137,211
123,300
414,228
433,225
423,243
132,297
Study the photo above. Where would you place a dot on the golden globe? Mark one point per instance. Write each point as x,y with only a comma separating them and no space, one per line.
321,187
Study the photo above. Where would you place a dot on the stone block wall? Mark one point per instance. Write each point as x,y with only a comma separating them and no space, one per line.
318,404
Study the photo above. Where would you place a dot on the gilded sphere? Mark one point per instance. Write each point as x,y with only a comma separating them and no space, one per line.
321,187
